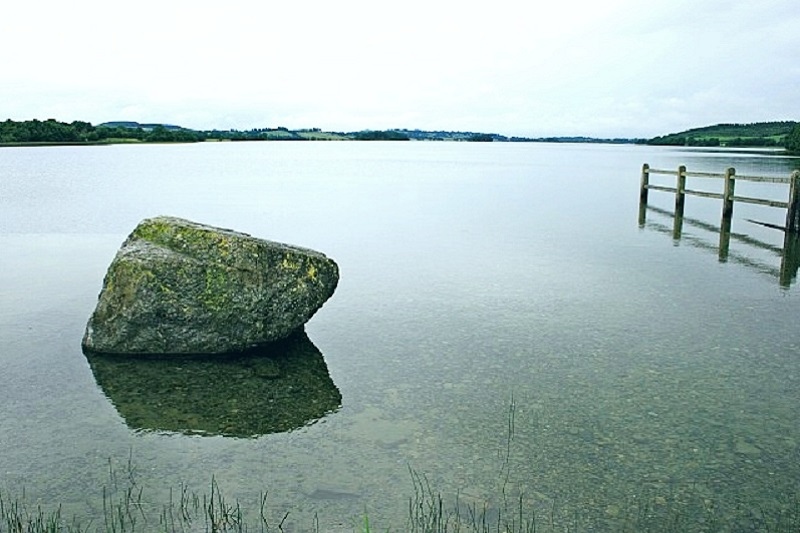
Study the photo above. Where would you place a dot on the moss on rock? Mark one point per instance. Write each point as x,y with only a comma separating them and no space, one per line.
177,286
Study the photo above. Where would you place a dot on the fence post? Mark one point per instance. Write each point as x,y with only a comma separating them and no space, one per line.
790,258
680,190
645,183
793,211
643,195
724,240
677,226
727,197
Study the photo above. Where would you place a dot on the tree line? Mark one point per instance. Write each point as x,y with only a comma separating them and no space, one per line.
768,134
759,134
731,142
52,131
793,141
32,131
79,132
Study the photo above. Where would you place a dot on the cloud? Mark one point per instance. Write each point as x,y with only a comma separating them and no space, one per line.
616,68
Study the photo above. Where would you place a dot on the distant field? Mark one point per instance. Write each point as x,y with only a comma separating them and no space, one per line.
761,134
322,136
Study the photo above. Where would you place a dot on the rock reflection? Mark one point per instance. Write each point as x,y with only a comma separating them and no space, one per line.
272,389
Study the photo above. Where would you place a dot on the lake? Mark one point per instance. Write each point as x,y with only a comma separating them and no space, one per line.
505,331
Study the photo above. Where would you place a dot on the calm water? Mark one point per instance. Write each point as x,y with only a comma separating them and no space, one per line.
503,325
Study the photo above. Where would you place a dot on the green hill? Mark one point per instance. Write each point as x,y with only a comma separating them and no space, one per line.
767,134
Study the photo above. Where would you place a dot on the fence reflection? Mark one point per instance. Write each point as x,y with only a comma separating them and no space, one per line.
789,253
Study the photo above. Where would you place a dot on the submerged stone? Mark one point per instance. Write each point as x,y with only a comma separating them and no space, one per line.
179,287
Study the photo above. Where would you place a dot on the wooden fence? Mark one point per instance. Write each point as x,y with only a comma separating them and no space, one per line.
728,196
790,252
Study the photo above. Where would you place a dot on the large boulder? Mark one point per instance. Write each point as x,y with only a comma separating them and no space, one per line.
179,287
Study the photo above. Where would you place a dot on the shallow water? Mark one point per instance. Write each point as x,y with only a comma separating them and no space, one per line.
503,326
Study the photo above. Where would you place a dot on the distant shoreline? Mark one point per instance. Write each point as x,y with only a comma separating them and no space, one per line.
755,150
762,135
54,143
54,133
142,143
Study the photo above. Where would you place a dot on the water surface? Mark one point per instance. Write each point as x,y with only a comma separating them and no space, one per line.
481,284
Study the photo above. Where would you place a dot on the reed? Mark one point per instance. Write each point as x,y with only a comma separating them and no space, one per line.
126,509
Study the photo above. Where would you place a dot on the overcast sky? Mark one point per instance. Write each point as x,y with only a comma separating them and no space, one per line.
603,68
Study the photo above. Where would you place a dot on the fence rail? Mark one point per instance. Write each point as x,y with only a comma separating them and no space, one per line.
790,252
740,177
728,196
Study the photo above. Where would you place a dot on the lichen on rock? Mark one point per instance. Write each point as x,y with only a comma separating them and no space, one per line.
179,287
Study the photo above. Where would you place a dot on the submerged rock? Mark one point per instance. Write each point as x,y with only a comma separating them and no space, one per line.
179,287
